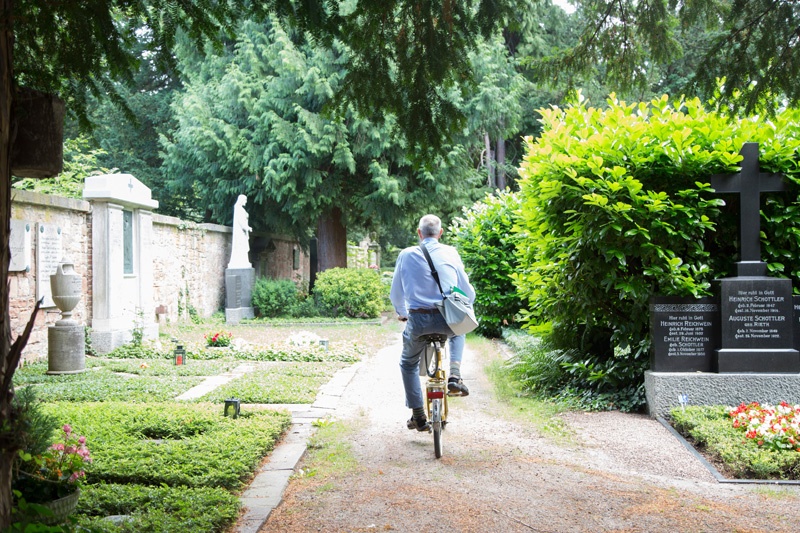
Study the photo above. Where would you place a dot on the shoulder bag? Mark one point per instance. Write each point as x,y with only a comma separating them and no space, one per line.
455,308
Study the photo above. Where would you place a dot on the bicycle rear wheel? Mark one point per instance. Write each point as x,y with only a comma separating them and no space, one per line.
436,423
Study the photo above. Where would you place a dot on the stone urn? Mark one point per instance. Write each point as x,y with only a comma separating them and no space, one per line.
66,339
66,286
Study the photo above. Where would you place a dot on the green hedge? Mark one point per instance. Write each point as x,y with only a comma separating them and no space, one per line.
487,244
353,292
616,207
274,297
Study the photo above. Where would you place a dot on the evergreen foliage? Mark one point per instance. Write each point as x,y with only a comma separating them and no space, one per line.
250,121
74,48
487,244
406,55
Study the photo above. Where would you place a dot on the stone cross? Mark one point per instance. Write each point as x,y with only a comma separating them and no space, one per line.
749,183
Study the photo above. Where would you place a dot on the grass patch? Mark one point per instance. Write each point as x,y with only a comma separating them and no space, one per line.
278,383
329,453
712,432
515,403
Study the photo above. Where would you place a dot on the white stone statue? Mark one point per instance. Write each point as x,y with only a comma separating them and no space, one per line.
241,235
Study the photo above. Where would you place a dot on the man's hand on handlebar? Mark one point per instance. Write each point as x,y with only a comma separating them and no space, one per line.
402,318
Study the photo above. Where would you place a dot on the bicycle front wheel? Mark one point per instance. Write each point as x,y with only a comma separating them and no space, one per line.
436,423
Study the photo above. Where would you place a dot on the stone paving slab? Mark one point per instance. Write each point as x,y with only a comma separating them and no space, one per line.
211,383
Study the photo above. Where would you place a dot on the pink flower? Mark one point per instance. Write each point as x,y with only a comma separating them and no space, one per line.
67,429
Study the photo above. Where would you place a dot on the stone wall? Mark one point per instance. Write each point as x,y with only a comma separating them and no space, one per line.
189,262
73,218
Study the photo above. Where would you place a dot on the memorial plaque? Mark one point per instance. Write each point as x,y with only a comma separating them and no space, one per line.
757,333
684,333
49,253
19,243
233,291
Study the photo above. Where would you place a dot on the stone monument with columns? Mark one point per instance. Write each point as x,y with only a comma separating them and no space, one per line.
122,261
240,274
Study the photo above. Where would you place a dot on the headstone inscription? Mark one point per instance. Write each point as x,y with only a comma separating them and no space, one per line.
49,251
684,333
756,311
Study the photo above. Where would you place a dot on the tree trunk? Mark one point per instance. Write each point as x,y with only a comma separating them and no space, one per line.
501,163
7,447
331,241
489,160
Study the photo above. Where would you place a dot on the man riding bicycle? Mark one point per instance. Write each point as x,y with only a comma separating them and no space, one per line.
414,296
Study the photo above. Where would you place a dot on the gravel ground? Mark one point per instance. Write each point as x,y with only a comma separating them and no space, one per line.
628,473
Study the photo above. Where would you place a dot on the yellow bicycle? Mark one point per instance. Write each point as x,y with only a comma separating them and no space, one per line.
436,387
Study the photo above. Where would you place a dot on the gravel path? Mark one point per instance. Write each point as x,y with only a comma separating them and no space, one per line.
627,474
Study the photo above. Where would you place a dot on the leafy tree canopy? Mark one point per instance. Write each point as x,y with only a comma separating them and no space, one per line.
752,45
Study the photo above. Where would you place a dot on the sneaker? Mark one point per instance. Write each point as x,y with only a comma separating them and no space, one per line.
456,387
420,424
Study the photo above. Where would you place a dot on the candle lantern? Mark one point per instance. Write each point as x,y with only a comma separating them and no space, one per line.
232,408
180,355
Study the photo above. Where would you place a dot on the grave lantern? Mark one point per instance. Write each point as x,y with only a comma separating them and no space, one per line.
180,355
231,408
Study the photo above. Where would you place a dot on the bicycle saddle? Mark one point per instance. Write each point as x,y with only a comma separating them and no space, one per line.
434,337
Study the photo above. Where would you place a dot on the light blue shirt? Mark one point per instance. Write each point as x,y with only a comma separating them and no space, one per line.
413,286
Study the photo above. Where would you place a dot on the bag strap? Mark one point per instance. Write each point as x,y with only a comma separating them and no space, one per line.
433,269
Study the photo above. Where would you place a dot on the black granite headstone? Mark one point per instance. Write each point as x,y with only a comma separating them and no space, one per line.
684,333
757,326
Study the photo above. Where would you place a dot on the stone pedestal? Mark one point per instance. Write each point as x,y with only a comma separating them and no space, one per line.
66,341
663,390
66,349
239,294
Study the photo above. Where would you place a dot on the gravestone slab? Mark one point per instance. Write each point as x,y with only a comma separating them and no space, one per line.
684,333
19,243
239,294
49,252
756,329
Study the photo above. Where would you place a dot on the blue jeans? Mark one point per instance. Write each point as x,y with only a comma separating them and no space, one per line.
420,324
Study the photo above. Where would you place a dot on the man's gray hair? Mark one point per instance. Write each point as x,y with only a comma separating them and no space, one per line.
430,226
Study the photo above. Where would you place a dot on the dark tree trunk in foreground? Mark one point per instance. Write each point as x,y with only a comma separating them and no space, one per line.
7,438
331,241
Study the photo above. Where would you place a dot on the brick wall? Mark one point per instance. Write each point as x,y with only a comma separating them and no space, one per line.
189,262
74,219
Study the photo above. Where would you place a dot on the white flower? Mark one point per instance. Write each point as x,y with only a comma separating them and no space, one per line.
303,338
